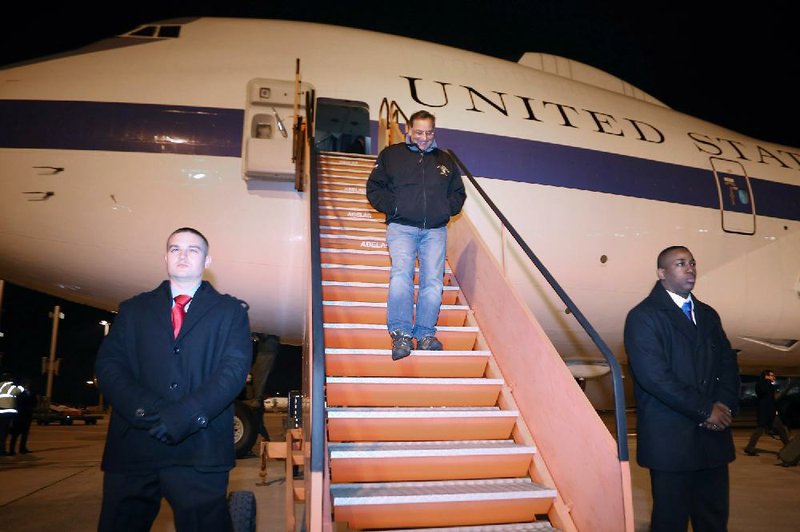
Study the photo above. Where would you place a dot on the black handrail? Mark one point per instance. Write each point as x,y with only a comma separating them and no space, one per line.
317,381
616,371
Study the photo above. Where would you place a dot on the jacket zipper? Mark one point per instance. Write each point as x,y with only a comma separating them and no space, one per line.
424,194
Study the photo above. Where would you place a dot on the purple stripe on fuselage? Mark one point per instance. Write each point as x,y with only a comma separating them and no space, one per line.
150,128
543,163
127,127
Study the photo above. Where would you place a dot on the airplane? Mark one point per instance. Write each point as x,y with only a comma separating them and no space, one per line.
103,150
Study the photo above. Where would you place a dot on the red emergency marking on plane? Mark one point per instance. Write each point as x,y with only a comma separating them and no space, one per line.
734,149
539,111
373,244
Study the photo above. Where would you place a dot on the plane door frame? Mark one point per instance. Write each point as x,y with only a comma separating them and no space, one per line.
737,204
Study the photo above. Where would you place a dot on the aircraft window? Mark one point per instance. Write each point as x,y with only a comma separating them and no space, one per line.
262,126
169,31
147,31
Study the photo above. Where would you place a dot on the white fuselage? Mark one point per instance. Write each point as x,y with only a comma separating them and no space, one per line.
582,172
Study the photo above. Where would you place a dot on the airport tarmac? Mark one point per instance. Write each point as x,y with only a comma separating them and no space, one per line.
58,486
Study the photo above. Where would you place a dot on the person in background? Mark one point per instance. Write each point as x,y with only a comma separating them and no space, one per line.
9,391
171,366
767,417
21,424
418,187
686,383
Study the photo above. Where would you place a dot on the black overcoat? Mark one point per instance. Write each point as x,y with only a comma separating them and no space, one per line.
680,370
190,381
767,404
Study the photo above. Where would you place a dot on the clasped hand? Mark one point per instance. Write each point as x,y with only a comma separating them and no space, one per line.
719,419
158,429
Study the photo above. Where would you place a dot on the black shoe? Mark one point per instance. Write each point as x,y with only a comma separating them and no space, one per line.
748,452
24,451
401,344
430,343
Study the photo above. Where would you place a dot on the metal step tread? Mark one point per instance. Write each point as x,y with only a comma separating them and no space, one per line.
378,230
359,284
368,267
427,449
418,412
388,352
358,209
538,526
336,303
323,197
382,327
332,236
358,251
352,188
438,491
438,381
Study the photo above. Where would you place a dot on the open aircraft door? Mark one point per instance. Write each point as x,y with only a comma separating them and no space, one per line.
736,202
268,129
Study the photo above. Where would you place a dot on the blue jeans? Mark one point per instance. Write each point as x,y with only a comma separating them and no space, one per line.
405,244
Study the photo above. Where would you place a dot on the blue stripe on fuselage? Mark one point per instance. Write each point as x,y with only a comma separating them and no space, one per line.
583,169
150,128
127,127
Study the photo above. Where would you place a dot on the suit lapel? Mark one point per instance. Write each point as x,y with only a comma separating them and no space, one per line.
162,309
704,329
675,315
203,301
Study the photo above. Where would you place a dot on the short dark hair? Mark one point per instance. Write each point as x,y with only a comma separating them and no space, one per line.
766,372
421,115
188,230
666,251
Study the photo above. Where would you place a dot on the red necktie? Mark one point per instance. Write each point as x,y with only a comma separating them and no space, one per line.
179,312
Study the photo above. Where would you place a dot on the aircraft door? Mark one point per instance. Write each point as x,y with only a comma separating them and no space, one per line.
342,125
736,202
269,129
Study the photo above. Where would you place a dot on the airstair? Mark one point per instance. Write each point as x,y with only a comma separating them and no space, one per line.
433,441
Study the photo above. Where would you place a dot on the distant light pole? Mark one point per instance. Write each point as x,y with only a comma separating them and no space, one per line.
57,315
106,324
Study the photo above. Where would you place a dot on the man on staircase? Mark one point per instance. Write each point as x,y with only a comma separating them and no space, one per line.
418,187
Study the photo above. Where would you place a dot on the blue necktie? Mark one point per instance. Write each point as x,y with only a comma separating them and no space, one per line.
687,309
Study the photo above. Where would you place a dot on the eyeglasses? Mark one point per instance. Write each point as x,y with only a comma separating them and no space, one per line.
420,133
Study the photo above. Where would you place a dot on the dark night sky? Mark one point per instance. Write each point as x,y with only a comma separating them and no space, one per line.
732,66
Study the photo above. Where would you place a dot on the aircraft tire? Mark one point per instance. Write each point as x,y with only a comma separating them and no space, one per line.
242,507
244,430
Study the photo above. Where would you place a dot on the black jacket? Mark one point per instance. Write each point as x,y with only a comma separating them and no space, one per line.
189,381
680,370
415,188
767,404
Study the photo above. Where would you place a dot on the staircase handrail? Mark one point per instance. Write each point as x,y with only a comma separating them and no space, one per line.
317,380
613,364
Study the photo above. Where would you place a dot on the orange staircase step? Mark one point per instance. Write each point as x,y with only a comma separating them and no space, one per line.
379,363
440,503
375,313
443,460
344,203
339,241
355,256
370,336
363,213
371,274
420,424
412,391
344,186
374,292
